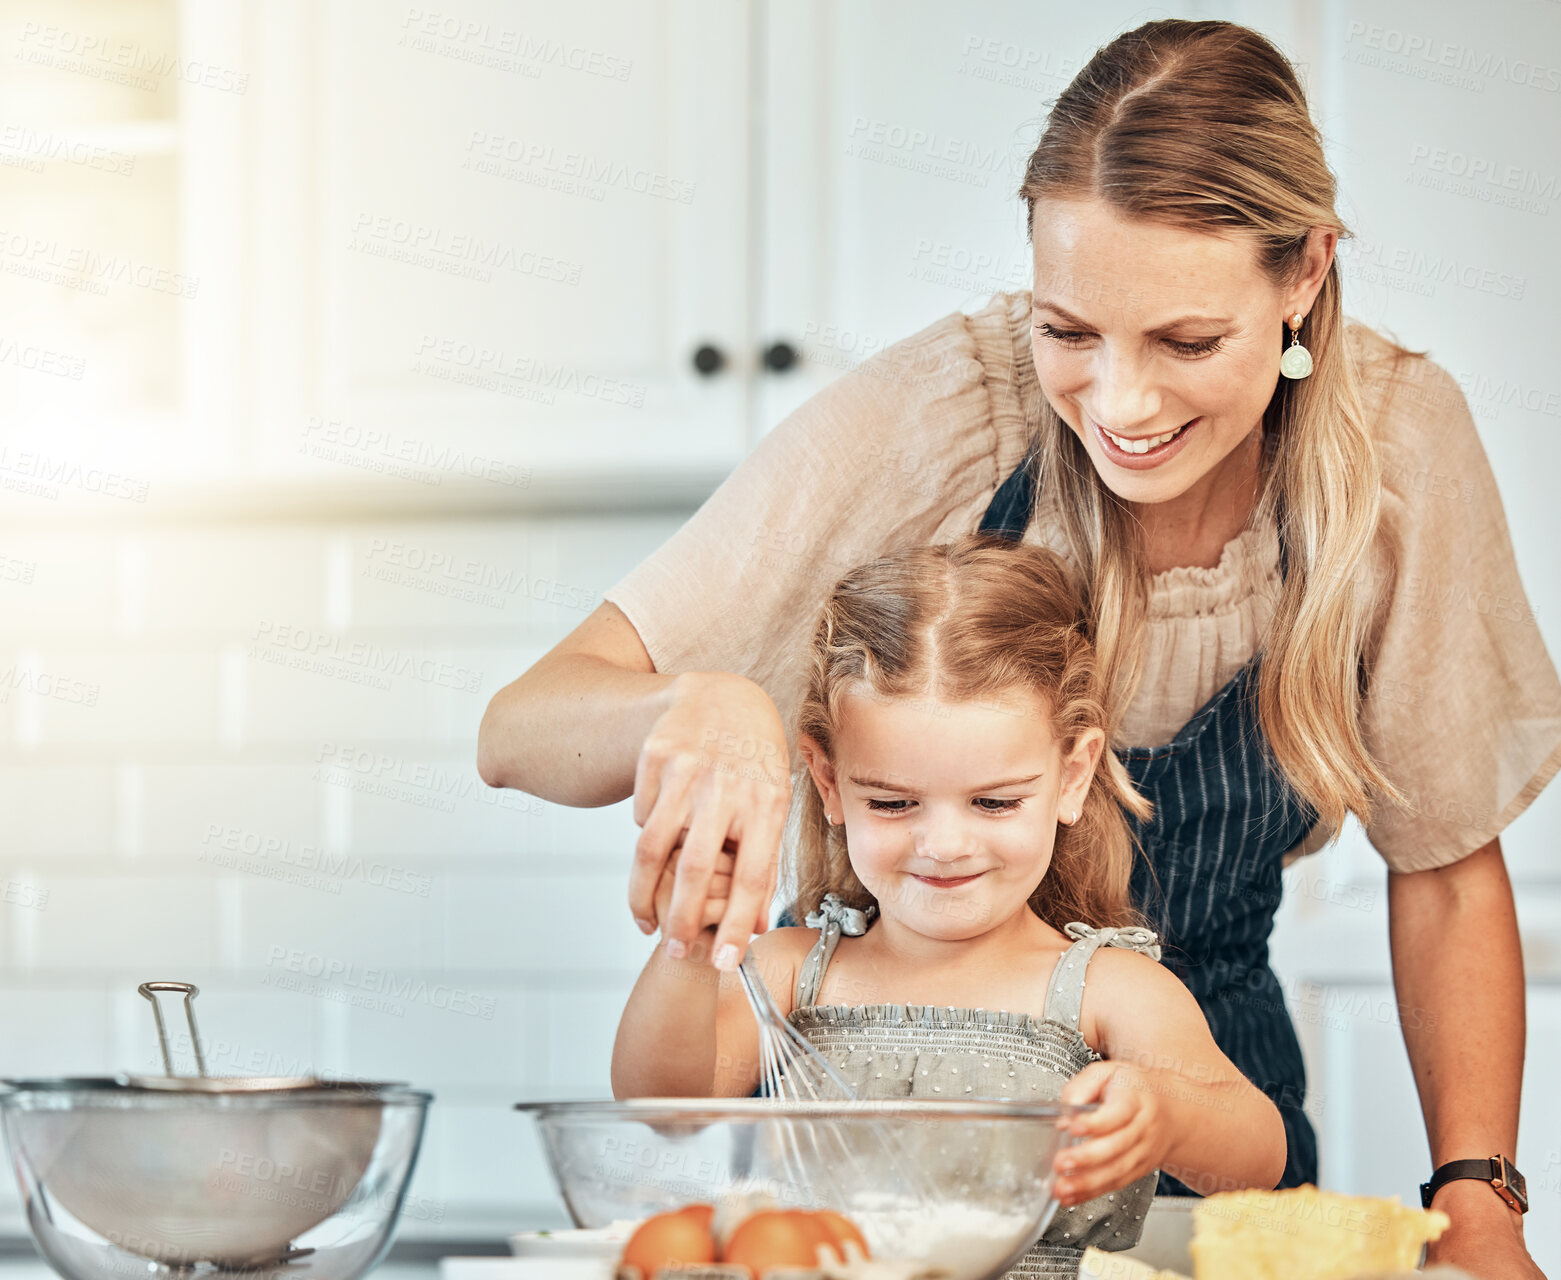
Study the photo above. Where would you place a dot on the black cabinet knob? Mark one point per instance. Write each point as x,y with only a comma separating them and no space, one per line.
709,360
779,356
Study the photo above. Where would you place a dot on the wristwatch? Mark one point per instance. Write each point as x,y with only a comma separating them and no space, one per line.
1499,1171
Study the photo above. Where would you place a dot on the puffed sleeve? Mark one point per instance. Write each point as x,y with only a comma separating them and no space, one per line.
906,448
1463,708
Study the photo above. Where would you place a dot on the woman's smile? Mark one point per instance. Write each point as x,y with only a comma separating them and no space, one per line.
1138,453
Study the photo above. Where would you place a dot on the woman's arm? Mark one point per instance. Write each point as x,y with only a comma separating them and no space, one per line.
1169,1098
1458,973
704,754
569,729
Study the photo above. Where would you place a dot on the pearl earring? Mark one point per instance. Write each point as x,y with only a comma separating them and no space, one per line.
1297,360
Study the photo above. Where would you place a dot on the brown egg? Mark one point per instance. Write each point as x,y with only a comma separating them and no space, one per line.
700,1213
841,1229
775,1238
669,1240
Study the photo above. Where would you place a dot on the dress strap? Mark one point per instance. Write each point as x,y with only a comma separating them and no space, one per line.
1008,514
832,919
1065,995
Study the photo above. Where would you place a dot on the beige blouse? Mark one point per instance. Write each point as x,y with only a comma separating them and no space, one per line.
1464,707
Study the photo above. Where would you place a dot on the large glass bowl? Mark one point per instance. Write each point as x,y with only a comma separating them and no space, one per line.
961,1188
119,1180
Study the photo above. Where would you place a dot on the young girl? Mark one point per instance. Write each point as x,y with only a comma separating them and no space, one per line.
963,864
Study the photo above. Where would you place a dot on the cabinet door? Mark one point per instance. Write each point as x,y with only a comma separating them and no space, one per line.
500,233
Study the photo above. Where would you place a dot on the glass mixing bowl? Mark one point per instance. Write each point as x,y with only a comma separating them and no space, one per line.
154,1177
956,1189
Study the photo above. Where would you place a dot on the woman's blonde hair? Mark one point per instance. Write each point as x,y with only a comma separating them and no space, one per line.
970,621
1204,126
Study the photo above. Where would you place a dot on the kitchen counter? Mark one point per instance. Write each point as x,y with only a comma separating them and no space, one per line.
20,1266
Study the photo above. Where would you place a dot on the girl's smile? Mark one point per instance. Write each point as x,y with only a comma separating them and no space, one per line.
949,882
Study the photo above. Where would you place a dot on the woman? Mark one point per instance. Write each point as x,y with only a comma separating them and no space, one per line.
1296,628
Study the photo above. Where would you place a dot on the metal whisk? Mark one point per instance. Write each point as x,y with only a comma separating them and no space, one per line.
790,1067
820,1161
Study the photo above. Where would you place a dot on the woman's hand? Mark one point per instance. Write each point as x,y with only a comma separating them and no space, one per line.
1486,1237
1121,1141
714,773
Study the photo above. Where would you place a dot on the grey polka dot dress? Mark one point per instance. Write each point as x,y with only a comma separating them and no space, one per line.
926,1051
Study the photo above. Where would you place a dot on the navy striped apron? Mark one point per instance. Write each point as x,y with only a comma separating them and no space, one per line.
1224,817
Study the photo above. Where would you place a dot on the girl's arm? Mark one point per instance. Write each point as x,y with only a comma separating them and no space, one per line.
1169,1099
666,1045
687,1031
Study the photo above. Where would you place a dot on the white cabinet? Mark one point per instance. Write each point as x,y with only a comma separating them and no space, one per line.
348,242
518,224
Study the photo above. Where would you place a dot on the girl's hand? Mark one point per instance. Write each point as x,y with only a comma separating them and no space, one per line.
1121,1141
714,772
717,897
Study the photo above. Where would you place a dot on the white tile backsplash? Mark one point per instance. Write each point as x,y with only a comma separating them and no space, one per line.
152,925
581,1027
55,1030
58,810
448,1035
192,805
316,852
230,579
555,924
57,583
131,698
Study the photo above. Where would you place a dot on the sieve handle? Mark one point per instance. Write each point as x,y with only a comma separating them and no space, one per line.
189,991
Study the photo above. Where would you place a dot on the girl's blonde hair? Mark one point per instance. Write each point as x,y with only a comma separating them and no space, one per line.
1204,126
970,621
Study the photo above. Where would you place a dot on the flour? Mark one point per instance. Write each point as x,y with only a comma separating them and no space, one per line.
960,1242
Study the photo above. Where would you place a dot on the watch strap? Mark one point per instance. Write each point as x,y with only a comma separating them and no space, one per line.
1499,1172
